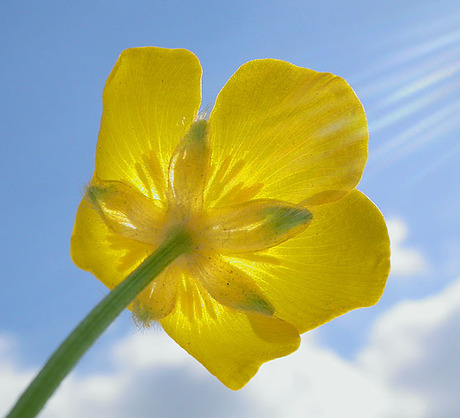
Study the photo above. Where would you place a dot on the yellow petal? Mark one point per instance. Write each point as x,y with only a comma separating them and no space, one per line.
126,211
341,262
283,132
254,225
150,100
229,343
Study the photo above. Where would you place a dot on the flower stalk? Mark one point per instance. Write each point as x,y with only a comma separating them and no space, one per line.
85,334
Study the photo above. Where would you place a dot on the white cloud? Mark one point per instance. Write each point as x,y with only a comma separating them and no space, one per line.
409,368
405,261
317,383
415,347
12,379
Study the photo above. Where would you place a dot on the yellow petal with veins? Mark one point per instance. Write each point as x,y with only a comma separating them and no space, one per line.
284,132
231,344
341,262
149,102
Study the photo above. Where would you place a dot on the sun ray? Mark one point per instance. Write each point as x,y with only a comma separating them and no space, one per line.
415,103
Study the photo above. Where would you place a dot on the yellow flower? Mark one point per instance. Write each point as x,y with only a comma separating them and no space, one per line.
266,189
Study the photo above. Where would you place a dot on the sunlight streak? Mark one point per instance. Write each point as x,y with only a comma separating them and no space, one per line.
416,102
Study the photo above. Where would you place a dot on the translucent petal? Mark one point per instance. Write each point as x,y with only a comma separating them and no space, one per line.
341,262
229,285
229,343
126,211
150,100
254,225
283,132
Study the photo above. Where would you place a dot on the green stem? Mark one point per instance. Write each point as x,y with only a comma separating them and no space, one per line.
84,335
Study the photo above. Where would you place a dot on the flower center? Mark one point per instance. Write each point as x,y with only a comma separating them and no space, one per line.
252,226
217,232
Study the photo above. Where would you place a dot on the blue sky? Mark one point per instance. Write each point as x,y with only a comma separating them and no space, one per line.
403,60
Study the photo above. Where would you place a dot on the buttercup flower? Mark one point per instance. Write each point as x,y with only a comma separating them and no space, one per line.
282,240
